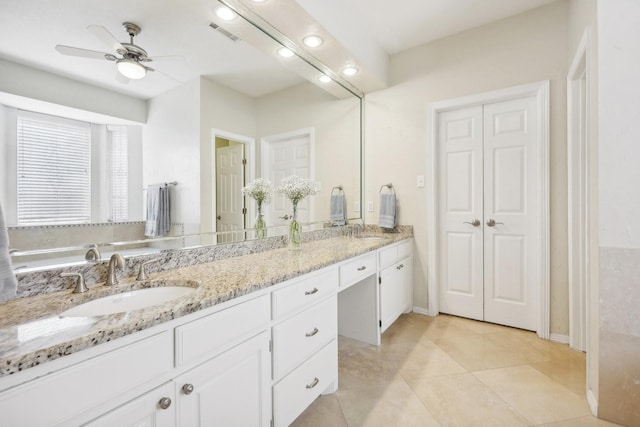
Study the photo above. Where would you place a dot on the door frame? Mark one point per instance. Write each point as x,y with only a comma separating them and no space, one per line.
541,92
578,141
265,143
250,170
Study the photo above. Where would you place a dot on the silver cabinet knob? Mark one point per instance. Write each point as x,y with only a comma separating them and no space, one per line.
164,403
475,223
493,223
187,388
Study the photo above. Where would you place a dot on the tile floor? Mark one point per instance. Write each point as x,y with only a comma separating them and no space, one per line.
449,371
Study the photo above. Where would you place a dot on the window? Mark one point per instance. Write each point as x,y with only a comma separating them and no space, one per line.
119,173
54,170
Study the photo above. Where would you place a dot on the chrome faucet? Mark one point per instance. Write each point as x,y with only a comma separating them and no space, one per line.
80,286
142,273
116,261
93,254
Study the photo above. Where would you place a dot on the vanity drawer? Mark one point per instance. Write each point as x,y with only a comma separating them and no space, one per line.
205,337
299,337
304,292
357,269
296,391
394,253
62,395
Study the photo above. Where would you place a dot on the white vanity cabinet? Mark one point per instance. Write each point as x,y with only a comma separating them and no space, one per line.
396,281
305,351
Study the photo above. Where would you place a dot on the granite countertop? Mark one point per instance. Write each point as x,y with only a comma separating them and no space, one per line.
32,332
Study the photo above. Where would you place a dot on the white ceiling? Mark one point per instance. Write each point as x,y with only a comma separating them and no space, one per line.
30,29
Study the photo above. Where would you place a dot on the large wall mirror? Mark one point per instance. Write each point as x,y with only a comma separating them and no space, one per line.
273,112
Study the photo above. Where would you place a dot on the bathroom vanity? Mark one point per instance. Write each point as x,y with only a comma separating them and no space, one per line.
254,345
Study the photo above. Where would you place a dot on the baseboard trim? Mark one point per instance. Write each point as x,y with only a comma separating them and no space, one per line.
593,402
420,310
564,339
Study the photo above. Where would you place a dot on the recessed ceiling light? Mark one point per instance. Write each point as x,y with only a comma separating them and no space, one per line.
312,41
285,52
259,1
324,78
225,13
350,71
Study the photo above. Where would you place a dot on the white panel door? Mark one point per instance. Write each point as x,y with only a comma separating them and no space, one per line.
460,212
229,183
510,200
289,156
489,233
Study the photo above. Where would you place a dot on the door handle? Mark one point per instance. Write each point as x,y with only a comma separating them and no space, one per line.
219,217
475,223
493,223
285,217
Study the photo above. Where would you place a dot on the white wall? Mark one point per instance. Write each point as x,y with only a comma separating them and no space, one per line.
526,48
619,210
223,109
171,150
336,124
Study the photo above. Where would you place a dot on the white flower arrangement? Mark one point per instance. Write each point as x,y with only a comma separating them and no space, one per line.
297,188
260,190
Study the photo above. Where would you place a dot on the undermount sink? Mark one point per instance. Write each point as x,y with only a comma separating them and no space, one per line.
128,301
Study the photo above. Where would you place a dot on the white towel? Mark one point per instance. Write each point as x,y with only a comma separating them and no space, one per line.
158,211
8,282
387,216
338,209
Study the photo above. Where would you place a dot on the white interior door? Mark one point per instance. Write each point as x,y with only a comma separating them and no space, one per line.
488,213
460,212
229,183
510,200
289,155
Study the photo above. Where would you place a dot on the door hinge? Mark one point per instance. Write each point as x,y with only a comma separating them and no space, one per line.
270,350
244,162
244,211
271,423
380,323
379,280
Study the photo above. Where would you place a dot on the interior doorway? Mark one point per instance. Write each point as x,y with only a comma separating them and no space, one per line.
233,166
489,233
282,155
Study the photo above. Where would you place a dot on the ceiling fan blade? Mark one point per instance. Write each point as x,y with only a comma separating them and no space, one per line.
164,74
84,53
166,58
106,37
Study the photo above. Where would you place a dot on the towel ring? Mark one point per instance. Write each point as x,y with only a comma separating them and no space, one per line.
389,186
337,187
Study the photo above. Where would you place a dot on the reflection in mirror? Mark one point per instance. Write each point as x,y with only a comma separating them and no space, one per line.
192,134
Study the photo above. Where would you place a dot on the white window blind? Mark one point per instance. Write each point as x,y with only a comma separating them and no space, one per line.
54,170
119,166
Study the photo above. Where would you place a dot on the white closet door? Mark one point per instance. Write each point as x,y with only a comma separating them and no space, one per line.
510,199
460,204
229,183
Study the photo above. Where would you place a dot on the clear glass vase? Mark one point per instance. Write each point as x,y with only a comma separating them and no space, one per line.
260,225
295,231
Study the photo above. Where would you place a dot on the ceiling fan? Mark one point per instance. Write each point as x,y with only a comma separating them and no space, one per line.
130,58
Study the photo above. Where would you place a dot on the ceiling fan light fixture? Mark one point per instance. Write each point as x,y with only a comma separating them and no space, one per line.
312,41
131,69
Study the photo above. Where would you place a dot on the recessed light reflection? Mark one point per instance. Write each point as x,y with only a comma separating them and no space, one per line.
312,41
285,52
259,1
225,13
350,71
324,78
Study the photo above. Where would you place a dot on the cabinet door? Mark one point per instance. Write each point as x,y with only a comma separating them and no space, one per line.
231,389
156,408
390,291
406,280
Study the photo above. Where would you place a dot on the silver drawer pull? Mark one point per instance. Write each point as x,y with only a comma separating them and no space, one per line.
187,388
311,292
400,267
362,268
313,383
164,403
312,333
